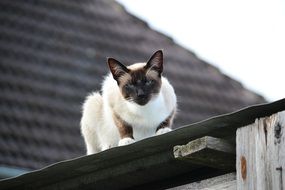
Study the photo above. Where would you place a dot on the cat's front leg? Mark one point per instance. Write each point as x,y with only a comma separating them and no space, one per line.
164,127
125,131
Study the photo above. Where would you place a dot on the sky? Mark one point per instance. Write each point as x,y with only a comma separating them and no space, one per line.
245,39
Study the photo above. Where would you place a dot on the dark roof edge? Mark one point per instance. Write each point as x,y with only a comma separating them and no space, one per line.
222,126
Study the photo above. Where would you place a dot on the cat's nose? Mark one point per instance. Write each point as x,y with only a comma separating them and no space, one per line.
141,93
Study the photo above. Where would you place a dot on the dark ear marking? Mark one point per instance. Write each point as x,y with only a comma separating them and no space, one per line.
156,62
117,69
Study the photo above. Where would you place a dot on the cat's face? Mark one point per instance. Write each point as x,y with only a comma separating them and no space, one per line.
141,83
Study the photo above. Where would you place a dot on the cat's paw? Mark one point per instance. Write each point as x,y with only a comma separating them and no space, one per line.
106,147
126,141
163,130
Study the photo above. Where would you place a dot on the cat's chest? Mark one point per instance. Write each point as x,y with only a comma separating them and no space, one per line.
149,116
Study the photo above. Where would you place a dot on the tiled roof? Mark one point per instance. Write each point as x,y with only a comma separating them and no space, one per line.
53,53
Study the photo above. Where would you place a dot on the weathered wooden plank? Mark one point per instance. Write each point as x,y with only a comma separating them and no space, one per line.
261,154
223,182
207,151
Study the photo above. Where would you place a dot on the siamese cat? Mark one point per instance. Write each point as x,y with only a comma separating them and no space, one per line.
136,102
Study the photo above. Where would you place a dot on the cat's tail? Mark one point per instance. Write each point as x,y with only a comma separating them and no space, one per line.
91,116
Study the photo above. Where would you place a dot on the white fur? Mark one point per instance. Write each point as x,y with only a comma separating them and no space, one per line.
97,124
126,141
163,130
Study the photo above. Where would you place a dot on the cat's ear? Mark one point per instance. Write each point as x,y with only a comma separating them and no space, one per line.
156,62
117,69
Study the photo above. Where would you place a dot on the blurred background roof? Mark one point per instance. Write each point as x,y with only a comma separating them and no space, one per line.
245,39
53,53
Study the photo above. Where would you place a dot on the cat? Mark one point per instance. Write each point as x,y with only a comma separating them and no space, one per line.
136,102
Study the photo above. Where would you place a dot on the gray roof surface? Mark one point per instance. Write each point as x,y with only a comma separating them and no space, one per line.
150,163
53,53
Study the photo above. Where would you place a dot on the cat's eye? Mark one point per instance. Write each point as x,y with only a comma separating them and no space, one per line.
129,86
149,82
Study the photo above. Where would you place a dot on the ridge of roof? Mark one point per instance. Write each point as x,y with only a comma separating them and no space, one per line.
109,168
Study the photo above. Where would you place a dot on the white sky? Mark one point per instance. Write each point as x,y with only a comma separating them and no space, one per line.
244,38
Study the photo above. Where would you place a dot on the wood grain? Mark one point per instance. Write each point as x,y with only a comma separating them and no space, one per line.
261,154
208,151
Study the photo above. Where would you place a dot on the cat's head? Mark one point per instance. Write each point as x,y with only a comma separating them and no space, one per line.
139,83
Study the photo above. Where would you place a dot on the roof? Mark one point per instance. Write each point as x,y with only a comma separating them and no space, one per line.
53,53
151,163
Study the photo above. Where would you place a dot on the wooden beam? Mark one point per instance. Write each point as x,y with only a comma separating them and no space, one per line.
208,151
261,154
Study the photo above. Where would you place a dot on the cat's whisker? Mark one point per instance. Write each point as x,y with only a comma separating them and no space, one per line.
129,99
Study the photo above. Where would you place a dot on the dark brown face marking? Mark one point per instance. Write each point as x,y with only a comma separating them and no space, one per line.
141,84
140,87
124,128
